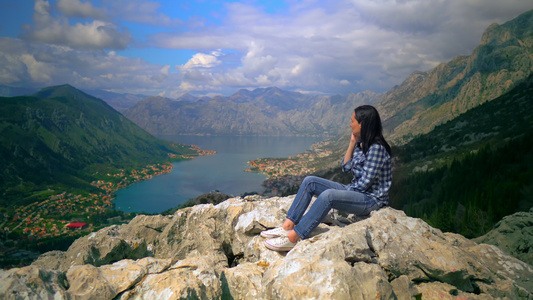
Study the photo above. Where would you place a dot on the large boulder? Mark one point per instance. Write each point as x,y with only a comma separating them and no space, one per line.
215,251
133,240
514,235
105,282
33,283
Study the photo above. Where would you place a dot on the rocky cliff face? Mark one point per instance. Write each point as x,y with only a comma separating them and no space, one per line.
502,60
213,252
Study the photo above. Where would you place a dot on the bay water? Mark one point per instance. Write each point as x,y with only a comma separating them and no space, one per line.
223,171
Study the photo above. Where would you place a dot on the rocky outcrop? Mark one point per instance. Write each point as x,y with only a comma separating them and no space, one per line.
514,235
215,251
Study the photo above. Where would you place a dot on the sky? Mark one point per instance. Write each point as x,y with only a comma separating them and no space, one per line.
173,47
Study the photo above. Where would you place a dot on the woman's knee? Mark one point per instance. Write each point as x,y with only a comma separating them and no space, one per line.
327,197
309,183
309,179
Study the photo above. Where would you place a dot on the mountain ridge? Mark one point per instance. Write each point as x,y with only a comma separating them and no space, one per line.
265,111
502,60
119,101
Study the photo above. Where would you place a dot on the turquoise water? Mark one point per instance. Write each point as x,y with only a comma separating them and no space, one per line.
223,171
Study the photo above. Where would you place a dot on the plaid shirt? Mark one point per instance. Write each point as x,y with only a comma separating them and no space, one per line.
372,172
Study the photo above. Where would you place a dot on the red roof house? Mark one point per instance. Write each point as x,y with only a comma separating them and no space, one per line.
77,225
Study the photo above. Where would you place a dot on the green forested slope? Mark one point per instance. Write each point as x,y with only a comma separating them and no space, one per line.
467,174
62,137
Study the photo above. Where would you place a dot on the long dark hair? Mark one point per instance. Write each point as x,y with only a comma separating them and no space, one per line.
371,129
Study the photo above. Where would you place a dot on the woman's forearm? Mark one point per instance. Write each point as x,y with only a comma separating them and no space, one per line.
349,151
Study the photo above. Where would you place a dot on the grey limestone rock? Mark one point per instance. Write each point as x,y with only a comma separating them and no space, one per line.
514,235
215,252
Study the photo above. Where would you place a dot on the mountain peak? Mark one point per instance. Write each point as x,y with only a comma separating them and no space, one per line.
47,91
245,95
187,97
65,90
518,28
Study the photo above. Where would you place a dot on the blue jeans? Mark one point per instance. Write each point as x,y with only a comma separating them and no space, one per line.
330,194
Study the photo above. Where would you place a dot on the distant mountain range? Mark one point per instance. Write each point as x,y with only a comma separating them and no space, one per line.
57,134
119,101
9,91
264,111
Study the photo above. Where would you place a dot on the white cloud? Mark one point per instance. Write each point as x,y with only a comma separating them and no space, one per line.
345,82
140,11
165,69
186,87
315,45
90,35
327,46
196,74
40,65
76,8
39,71
202,60
13,71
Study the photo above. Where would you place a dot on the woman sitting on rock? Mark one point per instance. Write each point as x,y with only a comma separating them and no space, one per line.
368,158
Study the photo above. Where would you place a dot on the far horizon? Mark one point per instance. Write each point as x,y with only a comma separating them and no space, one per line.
23,91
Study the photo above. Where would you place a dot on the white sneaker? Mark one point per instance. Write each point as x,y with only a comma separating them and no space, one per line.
280,244
274,233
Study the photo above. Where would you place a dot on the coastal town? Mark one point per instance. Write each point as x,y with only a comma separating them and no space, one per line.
68,215
51,217
301,164
284,175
